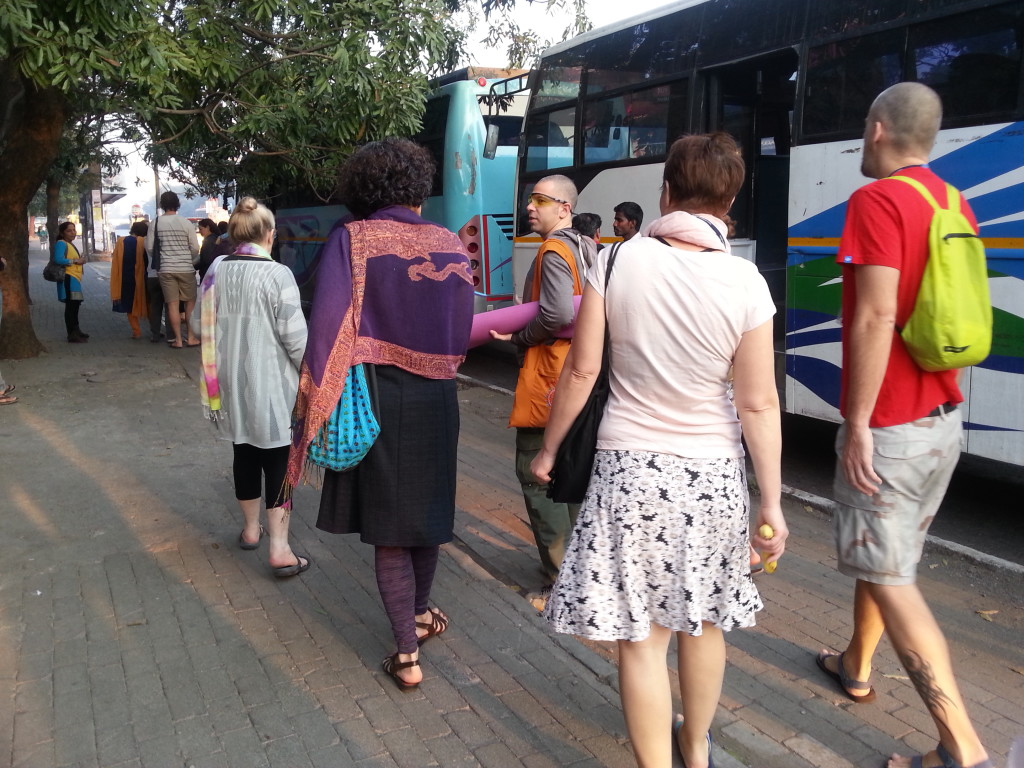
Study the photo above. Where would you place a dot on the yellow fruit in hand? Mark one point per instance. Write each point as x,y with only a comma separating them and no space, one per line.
767,532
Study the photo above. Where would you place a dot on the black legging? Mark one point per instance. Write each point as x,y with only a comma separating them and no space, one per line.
71,307
252,465
404,578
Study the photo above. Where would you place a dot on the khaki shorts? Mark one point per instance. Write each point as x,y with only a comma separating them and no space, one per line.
178,286
880,538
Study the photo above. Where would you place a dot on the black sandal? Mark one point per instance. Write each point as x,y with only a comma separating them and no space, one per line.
392,666
250,545
438,623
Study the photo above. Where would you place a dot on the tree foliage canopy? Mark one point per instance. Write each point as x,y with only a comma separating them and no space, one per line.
270,93
272,90
219,84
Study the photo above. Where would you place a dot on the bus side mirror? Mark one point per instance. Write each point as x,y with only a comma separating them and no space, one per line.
491,145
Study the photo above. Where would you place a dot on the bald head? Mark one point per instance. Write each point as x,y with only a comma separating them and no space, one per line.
563,186
911,114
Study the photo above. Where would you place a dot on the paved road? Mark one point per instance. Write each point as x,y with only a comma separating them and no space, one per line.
135,633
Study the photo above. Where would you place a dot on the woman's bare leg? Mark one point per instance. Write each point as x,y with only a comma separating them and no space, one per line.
647,697
701,672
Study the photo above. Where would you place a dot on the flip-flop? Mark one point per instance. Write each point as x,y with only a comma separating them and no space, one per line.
243,544
8,399
286,571
948,761
7,390
675,740
197,344
846,683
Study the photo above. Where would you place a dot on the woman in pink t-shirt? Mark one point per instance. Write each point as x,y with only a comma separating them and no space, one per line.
661,545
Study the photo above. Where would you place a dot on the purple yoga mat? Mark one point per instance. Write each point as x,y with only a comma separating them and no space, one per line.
512,319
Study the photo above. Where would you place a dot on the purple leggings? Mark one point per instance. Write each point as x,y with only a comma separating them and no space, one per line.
404,578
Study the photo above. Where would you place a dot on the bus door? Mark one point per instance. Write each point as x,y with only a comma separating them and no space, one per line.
753,101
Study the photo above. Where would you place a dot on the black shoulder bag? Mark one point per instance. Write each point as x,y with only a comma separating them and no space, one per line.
574,461
154,257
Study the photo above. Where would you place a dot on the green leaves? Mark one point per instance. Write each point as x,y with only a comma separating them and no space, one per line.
269,92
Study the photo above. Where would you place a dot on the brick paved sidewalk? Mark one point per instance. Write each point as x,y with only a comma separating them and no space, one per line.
778,710
133,632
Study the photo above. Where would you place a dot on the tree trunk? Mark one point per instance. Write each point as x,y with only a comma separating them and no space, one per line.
30,131
53,186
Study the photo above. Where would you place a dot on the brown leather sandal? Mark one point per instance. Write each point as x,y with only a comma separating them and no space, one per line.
438,623
392,666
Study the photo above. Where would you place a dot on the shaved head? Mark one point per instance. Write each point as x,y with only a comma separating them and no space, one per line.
911,114
563,186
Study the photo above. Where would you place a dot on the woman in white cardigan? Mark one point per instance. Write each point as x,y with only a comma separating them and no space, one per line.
253,338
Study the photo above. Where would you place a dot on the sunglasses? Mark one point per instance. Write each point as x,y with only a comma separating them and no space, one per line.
540,200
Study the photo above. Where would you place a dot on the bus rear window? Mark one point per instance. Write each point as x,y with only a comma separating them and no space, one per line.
843,79
432,135
972,61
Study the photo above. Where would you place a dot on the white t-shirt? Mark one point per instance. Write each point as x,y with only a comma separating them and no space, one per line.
675,318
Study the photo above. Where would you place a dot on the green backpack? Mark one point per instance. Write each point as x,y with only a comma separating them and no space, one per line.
951,323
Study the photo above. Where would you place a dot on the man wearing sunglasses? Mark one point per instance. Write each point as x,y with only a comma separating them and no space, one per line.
556,276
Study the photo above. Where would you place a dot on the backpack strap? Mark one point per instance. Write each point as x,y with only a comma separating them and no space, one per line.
952,193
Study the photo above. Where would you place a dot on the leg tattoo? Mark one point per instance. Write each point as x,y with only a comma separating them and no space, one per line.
923,678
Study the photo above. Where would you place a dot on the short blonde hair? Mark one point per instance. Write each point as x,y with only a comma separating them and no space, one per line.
250,221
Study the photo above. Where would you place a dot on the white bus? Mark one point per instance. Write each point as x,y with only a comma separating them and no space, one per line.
792,80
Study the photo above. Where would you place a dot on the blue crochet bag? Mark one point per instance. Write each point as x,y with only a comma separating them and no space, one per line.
347,436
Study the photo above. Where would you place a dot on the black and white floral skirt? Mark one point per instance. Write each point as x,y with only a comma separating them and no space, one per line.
658,539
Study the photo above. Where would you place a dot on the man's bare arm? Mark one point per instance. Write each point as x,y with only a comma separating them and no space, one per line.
870,338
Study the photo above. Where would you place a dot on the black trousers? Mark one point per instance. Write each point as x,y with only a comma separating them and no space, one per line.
155,297
71,308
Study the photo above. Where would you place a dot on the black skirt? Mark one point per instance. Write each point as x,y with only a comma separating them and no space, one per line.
402,494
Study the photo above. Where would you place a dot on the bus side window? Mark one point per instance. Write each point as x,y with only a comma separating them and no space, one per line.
843,79
972,61
633,125
549,140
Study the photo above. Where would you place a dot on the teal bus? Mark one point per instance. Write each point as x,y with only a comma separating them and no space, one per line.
471,126
792,81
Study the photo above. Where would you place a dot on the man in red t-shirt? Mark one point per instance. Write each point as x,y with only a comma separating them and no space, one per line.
900,440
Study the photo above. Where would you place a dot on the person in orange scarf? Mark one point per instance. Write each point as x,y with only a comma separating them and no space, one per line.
128,277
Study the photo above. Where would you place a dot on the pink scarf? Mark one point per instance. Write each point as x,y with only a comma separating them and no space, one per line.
704,231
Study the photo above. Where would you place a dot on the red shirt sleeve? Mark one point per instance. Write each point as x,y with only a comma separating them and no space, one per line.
874,231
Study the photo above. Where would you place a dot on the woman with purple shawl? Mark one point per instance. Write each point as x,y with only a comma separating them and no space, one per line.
394,292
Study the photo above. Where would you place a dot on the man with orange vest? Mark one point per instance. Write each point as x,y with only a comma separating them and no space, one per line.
556,276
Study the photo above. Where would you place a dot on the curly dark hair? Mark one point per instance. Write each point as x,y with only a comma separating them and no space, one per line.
388,172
